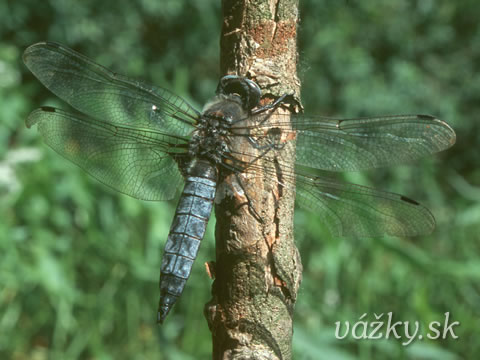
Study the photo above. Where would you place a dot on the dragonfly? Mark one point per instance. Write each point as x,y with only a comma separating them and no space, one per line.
145,141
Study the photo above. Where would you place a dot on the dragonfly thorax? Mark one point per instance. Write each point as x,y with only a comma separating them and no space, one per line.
208,142
210,138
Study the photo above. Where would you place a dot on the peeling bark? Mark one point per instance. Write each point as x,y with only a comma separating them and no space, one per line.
257,269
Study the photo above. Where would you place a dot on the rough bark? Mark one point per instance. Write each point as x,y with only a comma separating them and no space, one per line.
257,269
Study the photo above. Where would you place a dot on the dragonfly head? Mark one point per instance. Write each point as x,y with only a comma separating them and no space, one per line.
248,91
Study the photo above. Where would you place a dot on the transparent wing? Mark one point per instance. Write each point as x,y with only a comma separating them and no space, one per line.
358,144
103,94
139,163
346,209
352,210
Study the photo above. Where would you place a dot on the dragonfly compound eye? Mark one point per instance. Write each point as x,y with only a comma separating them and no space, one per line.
247,89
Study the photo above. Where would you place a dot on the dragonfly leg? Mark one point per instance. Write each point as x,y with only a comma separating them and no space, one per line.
285,98
273,143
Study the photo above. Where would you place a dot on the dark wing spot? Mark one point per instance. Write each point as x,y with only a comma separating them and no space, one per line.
404,198
48,109
425,117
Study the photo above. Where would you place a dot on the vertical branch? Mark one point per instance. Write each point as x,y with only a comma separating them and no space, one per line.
257,268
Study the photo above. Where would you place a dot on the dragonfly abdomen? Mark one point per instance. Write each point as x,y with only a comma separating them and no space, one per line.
186,233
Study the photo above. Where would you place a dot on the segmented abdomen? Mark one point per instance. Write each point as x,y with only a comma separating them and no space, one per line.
186,233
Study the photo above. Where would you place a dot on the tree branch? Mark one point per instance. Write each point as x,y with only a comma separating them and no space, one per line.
258,269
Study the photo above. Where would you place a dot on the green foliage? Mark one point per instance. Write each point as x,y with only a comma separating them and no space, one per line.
79,263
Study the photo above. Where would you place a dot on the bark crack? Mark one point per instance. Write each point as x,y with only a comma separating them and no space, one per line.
276,19
272,242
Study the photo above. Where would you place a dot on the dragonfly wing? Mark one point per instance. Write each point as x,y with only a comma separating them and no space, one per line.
364,143
103,94
354,210
349,209
139,163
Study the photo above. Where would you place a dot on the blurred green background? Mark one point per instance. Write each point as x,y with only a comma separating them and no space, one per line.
79,263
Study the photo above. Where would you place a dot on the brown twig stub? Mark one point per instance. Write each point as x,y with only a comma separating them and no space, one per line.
257,266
